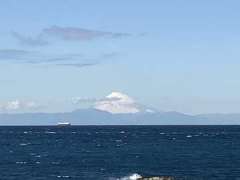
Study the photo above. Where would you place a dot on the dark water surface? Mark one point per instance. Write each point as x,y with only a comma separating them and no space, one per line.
116,152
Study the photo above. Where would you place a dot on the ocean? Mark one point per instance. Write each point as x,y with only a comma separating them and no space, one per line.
117,152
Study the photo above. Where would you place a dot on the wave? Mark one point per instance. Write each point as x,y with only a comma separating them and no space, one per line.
134,176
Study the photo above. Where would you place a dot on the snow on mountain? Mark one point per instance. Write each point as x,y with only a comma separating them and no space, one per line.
119,103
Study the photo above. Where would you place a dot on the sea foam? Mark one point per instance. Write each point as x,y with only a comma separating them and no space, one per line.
134,176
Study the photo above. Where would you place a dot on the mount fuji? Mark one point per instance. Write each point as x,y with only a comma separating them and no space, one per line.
118,109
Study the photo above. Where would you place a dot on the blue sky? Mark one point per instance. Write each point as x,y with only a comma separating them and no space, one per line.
171,55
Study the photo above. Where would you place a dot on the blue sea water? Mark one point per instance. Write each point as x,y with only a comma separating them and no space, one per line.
117,152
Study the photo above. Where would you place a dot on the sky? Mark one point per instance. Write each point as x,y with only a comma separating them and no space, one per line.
171,55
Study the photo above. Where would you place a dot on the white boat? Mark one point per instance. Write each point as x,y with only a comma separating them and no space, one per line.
64,124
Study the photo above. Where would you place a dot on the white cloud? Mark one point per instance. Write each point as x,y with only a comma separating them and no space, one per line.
117,103
13,105
17,105
81,100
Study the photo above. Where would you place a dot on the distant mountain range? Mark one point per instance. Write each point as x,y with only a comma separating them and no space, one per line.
98,117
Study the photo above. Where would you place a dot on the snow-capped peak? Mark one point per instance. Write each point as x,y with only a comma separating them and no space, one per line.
117,103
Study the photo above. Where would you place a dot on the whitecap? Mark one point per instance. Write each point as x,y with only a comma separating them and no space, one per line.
134,176
24,144
63,176
50,132
118,140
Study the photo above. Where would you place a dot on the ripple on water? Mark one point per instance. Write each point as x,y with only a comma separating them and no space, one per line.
21,162
55,162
